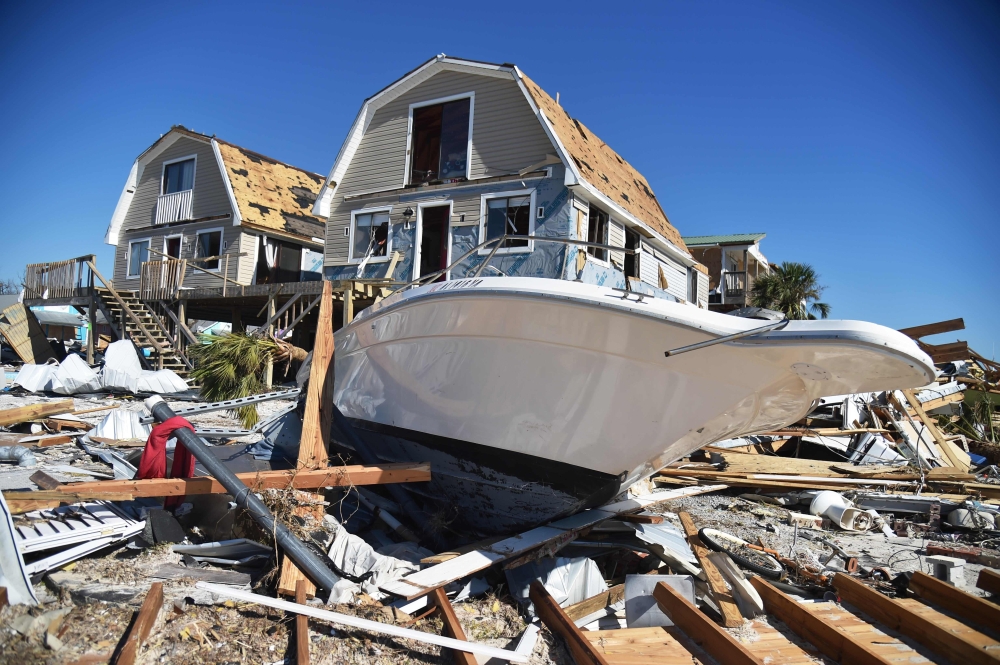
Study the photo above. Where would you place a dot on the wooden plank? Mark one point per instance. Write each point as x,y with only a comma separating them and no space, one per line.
989,581
452,627
288,582
139,631
971,608
640,646
928,329
334,476
731,615
316,422
20,327
890,648
954,457
931,630
717,642
642,519
44,480
301,626
554,617
946,353
590,605
23,414
838,645
4,601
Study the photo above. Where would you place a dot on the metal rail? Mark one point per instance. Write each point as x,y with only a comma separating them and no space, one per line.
777,325
229,404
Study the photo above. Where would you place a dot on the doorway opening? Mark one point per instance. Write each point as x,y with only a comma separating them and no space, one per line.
434,222
172,247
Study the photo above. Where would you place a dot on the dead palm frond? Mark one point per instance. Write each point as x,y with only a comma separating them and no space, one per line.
232,365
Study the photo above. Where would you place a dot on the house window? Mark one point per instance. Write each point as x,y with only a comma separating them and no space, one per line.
209,243
138,253
510,215
178,176
597,231
439,141
371,234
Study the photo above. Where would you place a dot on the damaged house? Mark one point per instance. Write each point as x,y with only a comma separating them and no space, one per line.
458,152
734,263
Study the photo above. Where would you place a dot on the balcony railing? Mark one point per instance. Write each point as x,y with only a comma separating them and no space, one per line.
736,284
173,207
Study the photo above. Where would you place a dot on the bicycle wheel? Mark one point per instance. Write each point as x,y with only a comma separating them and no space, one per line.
738,550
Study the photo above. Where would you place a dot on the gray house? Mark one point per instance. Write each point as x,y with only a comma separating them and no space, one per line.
458,151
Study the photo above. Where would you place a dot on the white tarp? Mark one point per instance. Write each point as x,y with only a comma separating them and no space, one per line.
567,580
74,376
122,368
355,558
36,378
161,381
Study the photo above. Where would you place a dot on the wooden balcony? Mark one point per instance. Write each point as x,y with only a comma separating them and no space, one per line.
174,207
735,286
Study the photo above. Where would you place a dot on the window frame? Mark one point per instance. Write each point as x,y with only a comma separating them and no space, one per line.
222,247
163,172
607,241
128,257
181,250
471,96
351,259
530,247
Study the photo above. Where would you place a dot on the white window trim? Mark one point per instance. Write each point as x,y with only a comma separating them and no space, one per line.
128,257
351,259
174,235
418,236
531,221
222,247
471,96
590,257
194,174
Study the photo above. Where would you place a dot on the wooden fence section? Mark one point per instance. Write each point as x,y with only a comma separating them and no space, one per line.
161,280
58,279
21,330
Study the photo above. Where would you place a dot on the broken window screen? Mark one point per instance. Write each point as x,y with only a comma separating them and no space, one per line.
138,253
178,177
371,234
511,216
439,143
209,244
597,231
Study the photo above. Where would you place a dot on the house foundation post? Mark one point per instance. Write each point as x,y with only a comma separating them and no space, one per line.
269,368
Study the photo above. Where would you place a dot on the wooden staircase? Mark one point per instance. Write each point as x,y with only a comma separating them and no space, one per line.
153,328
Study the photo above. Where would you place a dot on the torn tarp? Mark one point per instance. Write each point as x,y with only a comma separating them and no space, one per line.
567,580
122,368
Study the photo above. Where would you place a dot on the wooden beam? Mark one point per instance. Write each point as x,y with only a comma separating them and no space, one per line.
23,414
642,519
946,353
301,626
731,615
838,645
334,476
958,602
948,449
288,582
956,647
719,644
4,601
452,627
316,423
587,607
989,581
555,619
139,631
928,329
45,481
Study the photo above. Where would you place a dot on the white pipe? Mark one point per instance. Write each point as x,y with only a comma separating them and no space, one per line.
365,624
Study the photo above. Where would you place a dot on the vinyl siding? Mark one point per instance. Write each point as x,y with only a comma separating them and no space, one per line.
650,263
248,244
231,236
616,237
506,137
702,290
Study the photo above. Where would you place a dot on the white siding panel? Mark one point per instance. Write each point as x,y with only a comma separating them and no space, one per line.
616,237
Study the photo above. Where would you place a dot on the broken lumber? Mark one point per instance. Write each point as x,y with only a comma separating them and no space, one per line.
958,602
452,627
590,605
301,626
954,456
928,329
717,642
334,476
556,620
143,623
989,581
731,615
318,417
364,624
642,519
23,414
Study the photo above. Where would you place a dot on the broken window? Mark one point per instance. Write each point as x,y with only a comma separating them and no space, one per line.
631,260
178,176
138,253
371,235
597,231
510,215
209,243
439,144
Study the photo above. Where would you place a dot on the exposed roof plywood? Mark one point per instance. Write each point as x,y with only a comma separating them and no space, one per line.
271,194
604,168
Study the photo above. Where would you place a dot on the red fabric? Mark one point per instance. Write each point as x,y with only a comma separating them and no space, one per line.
154,456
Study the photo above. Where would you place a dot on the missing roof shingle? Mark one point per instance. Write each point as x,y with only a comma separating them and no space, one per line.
263,209
240,172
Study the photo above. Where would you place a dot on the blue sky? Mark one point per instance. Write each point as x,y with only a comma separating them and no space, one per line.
862,137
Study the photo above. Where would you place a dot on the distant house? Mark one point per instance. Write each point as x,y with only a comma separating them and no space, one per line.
734,261
228,210
459,152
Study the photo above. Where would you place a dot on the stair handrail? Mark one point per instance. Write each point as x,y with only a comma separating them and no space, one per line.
125,308
171,338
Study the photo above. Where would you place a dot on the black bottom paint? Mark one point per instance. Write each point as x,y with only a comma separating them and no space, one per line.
486,490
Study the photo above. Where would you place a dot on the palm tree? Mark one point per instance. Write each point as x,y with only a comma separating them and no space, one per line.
790,288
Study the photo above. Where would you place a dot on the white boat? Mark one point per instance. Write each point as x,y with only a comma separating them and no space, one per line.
534,398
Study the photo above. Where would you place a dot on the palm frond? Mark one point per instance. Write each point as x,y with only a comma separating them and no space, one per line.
230,366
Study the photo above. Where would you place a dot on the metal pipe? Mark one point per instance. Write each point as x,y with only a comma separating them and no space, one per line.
304,558
726,338
20,454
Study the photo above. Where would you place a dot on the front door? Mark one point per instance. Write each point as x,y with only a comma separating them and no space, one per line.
172,247
434,239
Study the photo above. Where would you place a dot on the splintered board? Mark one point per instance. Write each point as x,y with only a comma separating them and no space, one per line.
20,327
